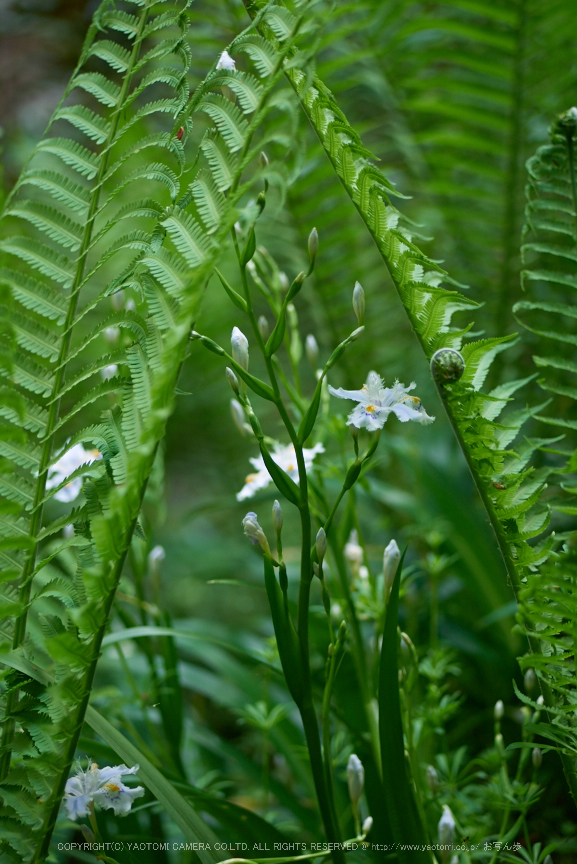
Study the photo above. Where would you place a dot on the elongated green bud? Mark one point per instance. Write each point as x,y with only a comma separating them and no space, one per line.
367,825
355,778
499,710
208,343
536,757
313,244
239,345
156,560
432,779
277,517
530,680
391,560
237,413
446,830
321,545
233,381
263,328
312,350
359,302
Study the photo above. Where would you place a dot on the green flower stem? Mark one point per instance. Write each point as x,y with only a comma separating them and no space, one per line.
53,413
358,652
306,708
326,720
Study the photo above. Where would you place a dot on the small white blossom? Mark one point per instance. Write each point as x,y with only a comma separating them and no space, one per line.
130,305
499,709
102,786
64,467
376,402
285,458
112,334
226,62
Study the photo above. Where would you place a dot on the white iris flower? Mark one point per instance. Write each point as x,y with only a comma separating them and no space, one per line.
285,458
102,786
376,403
226,62
65,466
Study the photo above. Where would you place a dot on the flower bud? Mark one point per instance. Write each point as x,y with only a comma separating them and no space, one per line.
111,334
237,412
356,333
255,533
316,569
88,834
321,545
536,757
540,701
548,860
263,328
498,710
68,531
284,282
359,302
109,371
367,824
156,558
277,517
313,244
391,560
530,680
118,300
233,381
239,344
446,828
432,779
312,350
499,741
355,778
263,159
353,552
130,305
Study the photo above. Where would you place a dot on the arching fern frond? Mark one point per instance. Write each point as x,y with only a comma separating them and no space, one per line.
511,491
164,265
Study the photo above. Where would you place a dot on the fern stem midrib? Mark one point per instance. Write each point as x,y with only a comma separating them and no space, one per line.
50,820
37,506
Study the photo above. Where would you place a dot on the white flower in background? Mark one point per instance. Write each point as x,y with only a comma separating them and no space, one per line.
376,403
226,62
65,466
353,552
109,371
285,458
102,786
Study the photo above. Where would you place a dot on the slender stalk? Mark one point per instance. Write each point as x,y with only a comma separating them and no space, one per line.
306,708
54,401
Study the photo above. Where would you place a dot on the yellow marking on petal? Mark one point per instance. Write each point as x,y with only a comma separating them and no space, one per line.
251,478
413,399
370,409
112,787
290,467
